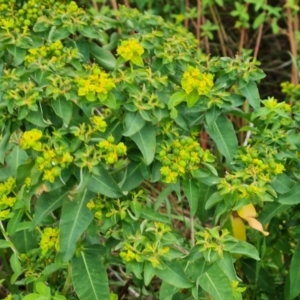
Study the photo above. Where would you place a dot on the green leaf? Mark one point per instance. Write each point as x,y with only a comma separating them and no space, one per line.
16,266
245,249
271,210
17,53
75,219
223,134
167,291
173,274
294,275
150,214
149,273
16,158
103,57
227,266
145,139
47,203
13,223
25,240
211,115
89,277
35,118
176,99
60,34
82,47
213,200
250,91
133,123
192,98
3,145
90,32
4,244
43,289
282,184
101,182
35,296
292,197
63,109
134,176
216,284
191,191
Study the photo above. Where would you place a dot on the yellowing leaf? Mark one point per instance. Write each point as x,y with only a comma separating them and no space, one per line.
247,211
256,225
238,228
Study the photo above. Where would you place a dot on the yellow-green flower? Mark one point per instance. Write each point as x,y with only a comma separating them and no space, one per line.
49,240
194,80
279,168
30,139
4,213
131,50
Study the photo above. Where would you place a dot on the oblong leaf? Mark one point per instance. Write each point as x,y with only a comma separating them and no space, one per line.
89,277
223,134
294,274
216,283
191,191
173,274
145,139
133,123
75,219
292,197
250,91
103,57
101,182
47,203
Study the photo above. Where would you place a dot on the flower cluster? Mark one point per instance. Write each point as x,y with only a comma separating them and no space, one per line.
130,50
30,139
181,157
53,52
21,18
49,240
52,161
148,246
212,244
194,80
7,199
114,209
251,179
111,152
95,85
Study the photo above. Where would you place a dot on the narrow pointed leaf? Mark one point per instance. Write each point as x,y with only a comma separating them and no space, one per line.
145,139
47,203
75,219
103,57
223,134
101,182
216,283
173,274
89,277
294,274
292,197
191,191
250,91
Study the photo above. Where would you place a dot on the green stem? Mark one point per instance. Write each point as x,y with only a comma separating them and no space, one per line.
68,281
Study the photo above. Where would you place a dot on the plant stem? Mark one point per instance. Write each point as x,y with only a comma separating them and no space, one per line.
292,40
198,24
68,281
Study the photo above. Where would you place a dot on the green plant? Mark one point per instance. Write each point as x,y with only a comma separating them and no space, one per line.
104,179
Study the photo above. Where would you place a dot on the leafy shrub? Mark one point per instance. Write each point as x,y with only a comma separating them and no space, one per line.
105,180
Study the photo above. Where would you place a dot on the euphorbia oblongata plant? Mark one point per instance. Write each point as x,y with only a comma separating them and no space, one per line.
132,165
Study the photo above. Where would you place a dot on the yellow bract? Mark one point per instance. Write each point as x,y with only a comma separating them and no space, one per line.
30,139
130,49
194,80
